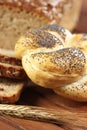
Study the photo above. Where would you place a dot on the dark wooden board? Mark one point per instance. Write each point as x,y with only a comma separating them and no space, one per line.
47,98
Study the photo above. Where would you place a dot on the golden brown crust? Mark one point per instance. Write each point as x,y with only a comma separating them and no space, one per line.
47,52
35,40
66,62
44,38
54,58
52,69
76,91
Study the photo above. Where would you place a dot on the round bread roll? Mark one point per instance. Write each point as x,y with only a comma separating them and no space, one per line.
54,58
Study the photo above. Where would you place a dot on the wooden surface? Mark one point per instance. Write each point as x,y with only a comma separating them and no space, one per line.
47,98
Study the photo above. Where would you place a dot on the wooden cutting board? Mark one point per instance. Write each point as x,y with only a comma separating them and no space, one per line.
47,98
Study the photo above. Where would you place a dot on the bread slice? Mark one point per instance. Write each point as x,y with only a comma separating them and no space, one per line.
8,56
10,66
10,90
12,77
19,16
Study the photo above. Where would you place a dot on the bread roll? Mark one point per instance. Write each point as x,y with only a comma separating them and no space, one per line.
54,58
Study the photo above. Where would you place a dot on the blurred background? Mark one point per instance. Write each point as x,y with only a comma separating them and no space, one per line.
82,23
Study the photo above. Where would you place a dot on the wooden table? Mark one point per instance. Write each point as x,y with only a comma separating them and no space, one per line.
46,98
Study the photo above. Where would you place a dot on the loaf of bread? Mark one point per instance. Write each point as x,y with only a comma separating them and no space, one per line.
19,16
54,58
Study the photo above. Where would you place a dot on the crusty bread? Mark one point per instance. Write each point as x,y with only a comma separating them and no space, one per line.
10,66
11,76
11,71
18,16
10,90
55,58
41,58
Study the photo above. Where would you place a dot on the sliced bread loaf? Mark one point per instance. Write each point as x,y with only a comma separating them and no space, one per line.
12,77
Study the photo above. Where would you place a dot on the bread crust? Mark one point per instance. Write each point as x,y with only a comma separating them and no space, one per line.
53,11
43,7
10,66
13,72
10,60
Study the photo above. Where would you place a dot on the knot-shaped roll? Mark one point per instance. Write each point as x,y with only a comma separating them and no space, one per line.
54,58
